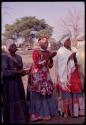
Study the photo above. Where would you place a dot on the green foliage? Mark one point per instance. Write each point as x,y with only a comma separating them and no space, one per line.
23,27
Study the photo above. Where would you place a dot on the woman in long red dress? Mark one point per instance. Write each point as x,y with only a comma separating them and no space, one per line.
42,104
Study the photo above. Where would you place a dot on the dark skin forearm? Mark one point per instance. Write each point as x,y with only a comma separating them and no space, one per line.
50,63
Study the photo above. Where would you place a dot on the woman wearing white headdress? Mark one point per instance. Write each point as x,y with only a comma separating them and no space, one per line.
66,60
14,107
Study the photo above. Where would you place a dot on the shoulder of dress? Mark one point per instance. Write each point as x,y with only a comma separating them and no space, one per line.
60,50
36,51
4,57
18,56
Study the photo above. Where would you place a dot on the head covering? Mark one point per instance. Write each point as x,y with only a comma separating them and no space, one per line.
9,42
65,37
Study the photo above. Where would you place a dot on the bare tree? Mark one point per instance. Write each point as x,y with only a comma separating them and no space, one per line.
73,23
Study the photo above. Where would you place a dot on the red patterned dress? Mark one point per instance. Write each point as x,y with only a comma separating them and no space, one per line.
41,80
42,104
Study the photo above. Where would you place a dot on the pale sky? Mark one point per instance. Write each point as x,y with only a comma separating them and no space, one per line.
52,12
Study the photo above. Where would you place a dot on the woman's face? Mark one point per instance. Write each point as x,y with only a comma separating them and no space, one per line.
67,43
43,43
13,48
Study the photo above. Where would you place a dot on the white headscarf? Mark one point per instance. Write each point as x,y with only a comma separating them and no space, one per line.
65,37
9,42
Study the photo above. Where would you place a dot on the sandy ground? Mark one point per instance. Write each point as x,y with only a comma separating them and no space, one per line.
61,120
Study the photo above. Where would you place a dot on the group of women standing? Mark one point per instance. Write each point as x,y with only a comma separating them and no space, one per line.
42,105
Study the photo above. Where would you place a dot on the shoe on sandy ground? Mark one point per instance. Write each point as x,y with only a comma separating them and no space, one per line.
34,117
47,118
66,115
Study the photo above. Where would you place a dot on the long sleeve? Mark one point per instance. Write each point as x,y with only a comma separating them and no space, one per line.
77,54
19,63
6,71
36,59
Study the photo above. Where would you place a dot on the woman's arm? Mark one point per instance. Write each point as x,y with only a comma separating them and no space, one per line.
5,68
6,71
36,58
50,63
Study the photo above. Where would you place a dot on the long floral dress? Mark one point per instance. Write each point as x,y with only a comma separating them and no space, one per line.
42,102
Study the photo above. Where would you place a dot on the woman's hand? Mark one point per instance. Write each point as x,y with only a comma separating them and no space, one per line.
21,72
50,56
53,54
50,63
27,71
72,56
24,71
